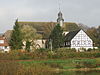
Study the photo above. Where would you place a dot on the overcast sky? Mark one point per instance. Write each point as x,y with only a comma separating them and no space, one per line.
79,11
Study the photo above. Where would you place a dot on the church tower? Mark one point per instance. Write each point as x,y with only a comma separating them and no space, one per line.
60,19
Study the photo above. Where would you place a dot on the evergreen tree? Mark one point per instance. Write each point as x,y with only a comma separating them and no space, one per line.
16,37
57,37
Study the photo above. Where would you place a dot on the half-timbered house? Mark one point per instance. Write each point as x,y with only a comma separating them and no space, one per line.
78,40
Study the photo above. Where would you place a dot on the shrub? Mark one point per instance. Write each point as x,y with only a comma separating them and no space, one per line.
90,49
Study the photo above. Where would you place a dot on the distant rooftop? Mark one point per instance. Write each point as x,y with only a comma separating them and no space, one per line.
1,34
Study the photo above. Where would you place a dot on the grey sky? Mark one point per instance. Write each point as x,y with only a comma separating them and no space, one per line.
79,11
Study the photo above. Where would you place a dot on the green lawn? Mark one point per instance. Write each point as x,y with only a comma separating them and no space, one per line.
63,64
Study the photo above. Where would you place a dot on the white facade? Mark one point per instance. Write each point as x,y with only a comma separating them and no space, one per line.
61,23
1,41
4,46
81,40
39,43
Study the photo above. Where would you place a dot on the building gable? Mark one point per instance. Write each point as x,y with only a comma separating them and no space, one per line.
81,39
82,35
71,35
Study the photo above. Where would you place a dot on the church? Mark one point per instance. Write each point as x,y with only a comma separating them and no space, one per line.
75,38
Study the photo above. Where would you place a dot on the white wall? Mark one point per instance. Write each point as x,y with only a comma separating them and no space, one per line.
81,40
5,48
40,43
1,41
61,23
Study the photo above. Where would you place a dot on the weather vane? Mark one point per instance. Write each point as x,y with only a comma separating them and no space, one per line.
59,2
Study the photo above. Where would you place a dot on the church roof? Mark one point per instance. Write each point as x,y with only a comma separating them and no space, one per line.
71,35
39,26
47,27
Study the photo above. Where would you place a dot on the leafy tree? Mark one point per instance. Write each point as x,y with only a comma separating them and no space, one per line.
57,37
16,37
29,35
94,33
48,28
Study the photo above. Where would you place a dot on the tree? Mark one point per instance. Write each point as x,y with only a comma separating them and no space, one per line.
94,33
48,28
57,37
16,37
28,44
98,33
29,34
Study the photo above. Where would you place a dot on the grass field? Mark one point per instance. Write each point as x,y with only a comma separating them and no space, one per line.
65,64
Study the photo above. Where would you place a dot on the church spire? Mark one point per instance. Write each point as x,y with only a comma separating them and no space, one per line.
60,19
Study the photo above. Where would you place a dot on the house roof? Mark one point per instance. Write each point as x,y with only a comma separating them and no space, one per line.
1,34
71,35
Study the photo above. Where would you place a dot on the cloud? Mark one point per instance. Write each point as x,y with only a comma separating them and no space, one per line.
80,11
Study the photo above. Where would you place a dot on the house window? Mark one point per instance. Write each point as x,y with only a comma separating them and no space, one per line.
84,42
89,42
78,42
67,43
73,42
1,47
1,41
5,47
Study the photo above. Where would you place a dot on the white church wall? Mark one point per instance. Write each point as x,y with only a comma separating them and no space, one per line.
65,32
40,43
61,23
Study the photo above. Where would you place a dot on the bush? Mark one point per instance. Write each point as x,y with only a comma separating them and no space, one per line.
61,53
42,49
90,49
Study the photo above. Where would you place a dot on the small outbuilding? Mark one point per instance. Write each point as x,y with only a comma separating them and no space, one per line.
4,46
